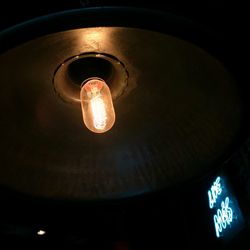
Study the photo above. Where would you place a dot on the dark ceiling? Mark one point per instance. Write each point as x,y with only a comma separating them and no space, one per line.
168,219
221,15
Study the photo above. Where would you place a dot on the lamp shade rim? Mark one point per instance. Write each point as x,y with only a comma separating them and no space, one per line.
155,20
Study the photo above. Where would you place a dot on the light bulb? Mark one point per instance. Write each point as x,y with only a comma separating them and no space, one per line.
41,232
97,105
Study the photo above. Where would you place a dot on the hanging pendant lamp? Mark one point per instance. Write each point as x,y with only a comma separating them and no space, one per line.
178,110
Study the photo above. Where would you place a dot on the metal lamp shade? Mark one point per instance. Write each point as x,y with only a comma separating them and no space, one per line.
180,114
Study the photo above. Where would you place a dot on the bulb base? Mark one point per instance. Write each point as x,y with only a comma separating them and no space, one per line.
70,74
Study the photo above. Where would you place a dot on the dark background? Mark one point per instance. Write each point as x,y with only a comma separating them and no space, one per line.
168,219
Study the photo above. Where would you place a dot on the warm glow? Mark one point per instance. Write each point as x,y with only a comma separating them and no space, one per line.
99,113
97,105
41,232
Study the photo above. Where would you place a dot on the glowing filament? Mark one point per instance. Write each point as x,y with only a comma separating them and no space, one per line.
99,113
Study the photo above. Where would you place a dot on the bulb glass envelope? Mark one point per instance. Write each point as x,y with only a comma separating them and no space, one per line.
97,105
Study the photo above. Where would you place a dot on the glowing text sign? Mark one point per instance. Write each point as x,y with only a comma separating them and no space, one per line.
221,205
214,192
223,218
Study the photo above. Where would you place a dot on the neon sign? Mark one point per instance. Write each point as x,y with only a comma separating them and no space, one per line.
214,192
226,213
223,218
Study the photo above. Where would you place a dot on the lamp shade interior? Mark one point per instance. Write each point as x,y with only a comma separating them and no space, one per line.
178,116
